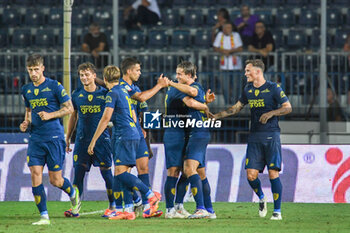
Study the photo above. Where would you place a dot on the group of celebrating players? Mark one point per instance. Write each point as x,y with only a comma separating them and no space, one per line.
120,101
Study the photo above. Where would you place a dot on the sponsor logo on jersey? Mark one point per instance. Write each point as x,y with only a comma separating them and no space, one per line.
81,95
45,89
265,91
38,102
29,91
250,91
90,109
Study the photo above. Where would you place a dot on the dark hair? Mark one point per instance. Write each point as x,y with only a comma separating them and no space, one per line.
224,13
256,63
34,60
260,21
111,74
94,24
86,66
188,67
128,63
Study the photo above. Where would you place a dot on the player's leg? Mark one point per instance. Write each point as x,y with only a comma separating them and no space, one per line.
206,193
181,189
169,192
255,162
108,178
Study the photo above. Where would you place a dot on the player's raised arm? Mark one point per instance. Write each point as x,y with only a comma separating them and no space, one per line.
27,120
285,109
184,88
146,95
209,96
66,108
71,127
230,111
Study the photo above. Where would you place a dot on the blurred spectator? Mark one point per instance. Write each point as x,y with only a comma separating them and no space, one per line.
95,42
141,12
347,48
222,17
246,25
227,43
334,111
263,43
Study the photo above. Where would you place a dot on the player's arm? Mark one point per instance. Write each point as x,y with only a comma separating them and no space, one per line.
209,97
102,125
188,90
71,127
66,108
27,120
146,95
100,82
285,109
230,111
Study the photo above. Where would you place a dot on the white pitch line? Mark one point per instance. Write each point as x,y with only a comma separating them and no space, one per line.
93,212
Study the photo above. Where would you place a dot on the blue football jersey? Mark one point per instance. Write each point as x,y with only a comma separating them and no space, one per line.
264,99
90,107
124,125
195,114
47,97
174,105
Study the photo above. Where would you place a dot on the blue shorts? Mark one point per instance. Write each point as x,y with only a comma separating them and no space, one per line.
174,145
124,152
50,152
197,148
266,153
142,151
101,157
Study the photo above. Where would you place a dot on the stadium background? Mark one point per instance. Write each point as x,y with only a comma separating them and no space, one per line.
37,26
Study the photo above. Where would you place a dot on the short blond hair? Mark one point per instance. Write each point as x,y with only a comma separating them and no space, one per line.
111,74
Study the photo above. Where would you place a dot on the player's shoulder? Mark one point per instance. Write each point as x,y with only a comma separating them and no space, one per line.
136,88
102,90
272,85
77,92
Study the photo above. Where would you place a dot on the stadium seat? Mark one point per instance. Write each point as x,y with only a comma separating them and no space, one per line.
315,39
265,16
55,17
157,39
296,3
285,18
308,17
103,17
340,37
203,39
193,18
75,42
203,3
273,3
11,17
45,38
347,18
171,17
3,38
333,17
23,2
181,39
234,15
135,39
54,62
252,3
296,39
34,17
21,38
93,3
80,17
180,3
278,38
212,17
228,3
50,3
341,3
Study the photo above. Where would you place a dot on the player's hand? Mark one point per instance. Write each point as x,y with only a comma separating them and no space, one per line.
45,115
163,81
211,115
209,96
91,148
24,126
265,117
94,53
263,53
68,149
144,133
217,116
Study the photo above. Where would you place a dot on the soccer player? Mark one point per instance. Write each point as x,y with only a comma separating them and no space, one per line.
174,137
199,137
131,70
267,102
89,103
46,101
126,143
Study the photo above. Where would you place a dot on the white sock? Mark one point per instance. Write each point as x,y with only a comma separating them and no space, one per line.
146,206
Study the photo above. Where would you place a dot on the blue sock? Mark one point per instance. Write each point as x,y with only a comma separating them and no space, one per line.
108,177
181,189
256,186
276,188
79,174
135,197
206,195
118,193
145,179
40,198
67,187
132,182
197,190
169,191
128,202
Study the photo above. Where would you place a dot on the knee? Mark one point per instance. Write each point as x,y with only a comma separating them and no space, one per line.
174,172
56,181
273,174
189,171
252,176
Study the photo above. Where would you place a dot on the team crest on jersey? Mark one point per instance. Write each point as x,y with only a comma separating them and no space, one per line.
90,97
256,92
46,89
36,91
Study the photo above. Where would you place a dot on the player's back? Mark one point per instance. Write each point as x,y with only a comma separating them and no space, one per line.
47,97
90,107
124,125
174,105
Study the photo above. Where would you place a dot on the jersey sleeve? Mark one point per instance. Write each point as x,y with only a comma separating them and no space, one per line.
133,90
243,99
61,93
216,43
142,106
26,102
279,95
111,99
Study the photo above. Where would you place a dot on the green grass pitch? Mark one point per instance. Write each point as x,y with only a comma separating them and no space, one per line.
232,217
